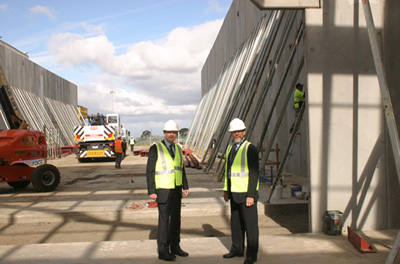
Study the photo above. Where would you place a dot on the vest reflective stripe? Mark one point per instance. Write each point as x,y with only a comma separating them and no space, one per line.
243,164
239,170
169,171
118,146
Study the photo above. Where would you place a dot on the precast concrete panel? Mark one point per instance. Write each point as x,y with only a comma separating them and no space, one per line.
391,59
238,25
15,72
349,150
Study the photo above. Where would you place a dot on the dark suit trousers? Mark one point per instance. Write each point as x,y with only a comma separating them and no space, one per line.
169,222
244,220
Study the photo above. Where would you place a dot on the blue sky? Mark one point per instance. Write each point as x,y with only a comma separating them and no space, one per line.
150,52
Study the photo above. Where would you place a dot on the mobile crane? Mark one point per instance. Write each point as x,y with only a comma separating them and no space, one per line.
96,138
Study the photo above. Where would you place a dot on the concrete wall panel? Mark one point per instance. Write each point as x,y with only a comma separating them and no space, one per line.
391,58
238,25
347,154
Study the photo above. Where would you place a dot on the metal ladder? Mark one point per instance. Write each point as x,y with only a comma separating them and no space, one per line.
288,150
387,106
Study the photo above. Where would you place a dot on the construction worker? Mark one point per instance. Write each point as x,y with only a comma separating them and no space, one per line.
166,181
299,96
132,142
118,149
241,188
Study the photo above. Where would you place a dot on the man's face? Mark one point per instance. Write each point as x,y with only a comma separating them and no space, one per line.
238,135
170,136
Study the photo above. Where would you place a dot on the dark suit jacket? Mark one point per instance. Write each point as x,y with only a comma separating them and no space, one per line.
162,194
252,160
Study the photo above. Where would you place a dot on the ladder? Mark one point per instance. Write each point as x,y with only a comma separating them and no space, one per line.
288,150
387,105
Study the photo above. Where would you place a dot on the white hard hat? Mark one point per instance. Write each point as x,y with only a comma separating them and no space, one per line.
236,125
171,125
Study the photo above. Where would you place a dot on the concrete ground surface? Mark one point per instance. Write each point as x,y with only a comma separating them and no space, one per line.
88,219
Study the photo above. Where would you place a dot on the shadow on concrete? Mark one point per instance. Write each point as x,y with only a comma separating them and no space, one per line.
293,217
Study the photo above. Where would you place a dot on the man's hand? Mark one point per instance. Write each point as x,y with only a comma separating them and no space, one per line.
249,201
185,193
153,196
226,196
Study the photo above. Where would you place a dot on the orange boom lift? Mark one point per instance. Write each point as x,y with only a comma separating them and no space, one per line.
20,147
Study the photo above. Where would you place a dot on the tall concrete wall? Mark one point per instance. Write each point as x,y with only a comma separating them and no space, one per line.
24,74
238,25
44,99
349,148
391,58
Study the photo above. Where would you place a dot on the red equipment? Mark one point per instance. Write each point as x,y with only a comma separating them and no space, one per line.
19,147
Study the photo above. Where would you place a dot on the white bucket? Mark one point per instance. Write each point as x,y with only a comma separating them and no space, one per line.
277,192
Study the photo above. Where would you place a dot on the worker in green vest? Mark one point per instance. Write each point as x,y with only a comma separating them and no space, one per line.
241,188
132,143
299,96
166,184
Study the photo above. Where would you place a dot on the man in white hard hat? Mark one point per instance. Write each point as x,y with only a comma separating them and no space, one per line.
241,188
166,182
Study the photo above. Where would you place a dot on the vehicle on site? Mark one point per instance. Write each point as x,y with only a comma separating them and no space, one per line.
20,148
96,138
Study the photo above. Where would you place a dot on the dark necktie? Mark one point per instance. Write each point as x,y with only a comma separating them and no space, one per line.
233,154
171,151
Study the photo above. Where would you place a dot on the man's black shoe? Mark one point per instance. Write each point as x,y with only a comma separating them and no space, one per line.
179,252
166,257
250,260
232,255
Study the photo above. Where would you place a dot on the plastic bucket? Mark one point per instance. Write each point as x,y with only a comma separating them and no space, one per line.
295,188
333,223
277,192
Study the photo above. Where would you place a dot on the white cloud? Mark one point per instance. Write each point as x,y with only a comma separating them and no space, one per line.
3,7
90,30
74,49
39,9
214,6
154,80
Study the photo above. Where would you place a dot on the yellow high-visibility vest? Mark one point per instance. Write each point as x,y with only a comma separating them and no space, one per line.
168,171
239,169
298,97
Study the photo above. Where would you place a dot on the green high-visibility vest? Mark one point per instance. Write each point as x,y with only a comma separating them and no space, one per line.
298,97
239,169
168,170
